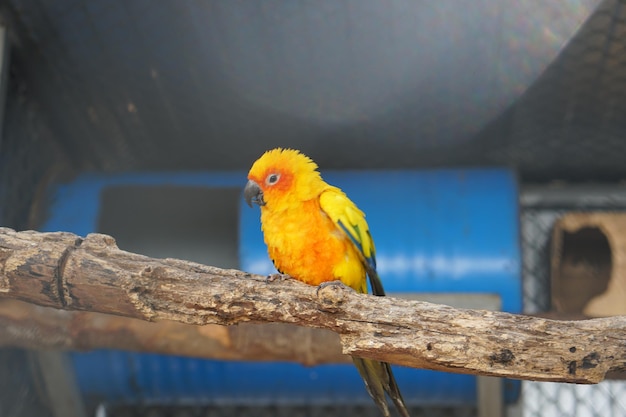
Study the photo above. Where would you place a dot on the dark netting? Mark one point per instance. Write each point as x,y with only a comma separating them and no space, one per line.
570,124
132,86
552,399
29,158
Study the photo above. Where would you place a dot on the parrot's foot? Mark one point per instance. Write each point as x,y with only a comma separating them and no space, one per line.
276,277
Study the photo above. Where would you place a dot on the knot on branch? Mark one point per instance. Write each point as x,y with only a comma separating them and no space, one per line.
331,295
98,241
503,357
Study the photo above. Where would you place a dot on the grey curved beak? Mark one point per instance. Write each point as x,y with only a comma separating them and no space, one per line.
252,193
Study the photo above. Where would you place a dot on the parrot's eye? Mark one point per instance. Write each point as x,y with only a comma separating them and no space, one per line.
272,179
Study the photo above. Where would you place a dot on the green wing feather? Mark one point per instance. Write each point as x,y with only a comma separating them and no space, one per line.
347,216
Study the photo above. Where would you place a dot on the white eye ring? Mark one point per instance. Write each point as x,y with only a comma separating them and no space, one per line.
272,179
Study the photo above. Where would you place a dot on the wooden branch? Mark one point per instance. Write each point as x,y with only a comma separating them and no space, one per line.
64,271
34,327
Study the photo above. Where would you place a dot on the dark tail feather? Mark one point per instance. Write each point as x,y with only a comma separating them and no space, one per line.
378,376
379,380
394,392
375,282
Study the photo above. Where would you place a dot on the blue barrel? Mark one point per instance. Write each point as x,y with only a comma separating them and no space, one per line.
442,231
435,231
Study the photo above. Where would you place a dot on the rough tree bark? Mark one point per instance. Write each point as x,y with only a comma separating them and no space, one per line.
65,271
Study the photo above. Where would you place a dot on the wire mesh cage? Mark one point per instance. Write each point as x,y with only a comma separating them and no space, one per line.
543,399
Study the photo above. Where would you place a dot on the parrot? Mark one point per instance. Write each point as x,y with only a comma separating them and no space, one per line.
316,234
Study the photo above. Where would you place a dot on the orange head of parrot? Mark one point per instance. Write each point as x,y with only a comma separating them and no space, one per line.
282,174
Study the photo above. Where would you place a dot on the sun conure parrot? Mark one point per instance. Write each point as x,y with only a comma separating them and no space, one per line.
315,233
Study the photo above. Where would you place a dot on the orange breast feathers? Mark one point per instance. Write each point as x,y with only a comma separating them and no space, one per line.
304,242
